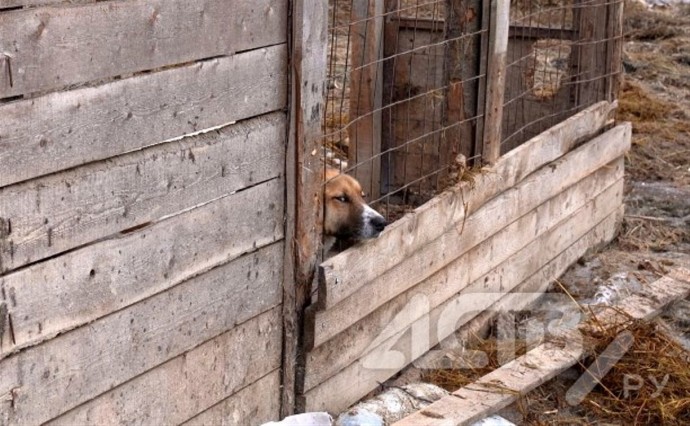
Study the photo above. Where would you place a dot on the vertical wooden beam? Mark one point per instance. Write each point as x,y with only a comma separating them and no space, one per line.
485,11
591,52
366,92
462,62
499,23
391,33
615,55
303,174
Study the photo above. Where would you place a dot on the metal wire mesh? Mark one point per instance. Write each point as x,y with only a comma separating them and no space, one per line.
387,120
407,84
559,62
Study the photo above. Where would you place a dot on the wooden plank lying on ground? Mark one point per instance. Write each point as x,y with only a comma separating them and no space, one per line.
78,287
193,382
256,404
486,221
60,212
347,272
59,46
366,373
79,365
482,398
66,129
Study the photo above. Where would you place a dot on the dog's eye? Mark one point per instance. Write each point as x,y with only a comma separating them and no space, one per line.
342,198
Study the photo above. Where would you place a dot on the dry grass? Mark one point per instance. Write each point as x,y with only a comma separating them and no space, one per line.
645,233
653,354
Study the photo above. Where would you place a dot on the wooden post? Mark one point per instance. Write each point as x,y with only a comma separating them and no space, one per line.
591,52
496,77
463,21
303,183
391,33
366,93
615,43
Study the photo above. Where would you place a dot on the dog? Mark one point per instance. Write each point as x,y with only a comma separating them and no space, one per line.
347,217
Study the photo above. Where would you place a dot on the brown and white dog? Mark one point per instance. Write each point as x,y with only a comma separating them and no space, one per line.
347,217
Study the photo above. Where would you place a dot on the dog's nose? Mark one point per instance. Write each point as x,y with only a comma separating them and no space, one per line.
379,224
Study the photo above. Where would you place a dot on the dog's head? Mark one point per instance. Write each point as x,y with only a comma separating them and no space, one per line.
347,216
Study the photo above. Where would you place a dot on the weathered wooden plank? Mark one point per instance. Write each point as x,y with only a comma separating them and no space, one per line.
499,388
358,266
66,129
343,389
79,365
11,4
488,220
304,174
256,404
60,212
366,92
530,240
518,377
83,285
499,26
58,46
190,383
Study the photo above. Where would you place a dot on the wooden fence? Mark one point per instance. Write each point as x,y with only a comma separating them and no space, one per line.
160,201
142,207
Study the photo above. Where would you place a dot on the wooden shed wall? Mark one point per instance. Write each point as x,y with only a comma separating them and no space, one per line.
142,166
517,226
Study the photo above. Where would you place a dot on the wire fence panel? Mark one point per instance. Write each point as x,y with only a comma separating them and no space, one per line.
402,99
407,85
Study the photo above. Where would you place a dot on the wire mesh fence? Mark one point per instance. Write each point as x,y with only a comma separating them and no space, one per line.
407,83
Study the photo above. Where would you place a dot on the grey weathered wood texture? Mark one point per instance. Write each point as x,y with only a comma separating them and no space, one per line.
475,228
67,129
85,284
81,364
487,262
59,212
304,173
193,382
496,77
256,404
366,93
108,39
344,274
364,375
11,4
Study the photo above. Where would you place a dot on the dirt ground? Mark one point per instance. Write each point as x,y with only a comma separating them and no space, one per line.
653,238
